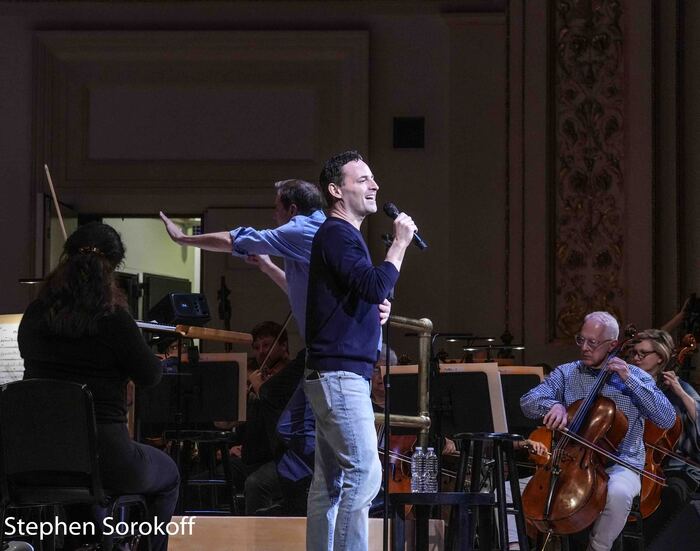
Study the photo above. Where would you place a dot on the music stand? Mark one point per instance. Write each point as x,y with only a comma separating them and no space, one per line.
516,381
190,401
465,397
181,331
207,392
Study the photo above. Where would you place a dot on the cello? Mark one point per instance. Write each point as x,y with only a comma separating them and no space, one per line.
660,443
656,442
568,492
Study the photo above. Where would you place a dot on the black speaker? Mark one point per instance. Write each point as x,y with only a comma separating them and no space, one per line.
409,132
181,308
682,533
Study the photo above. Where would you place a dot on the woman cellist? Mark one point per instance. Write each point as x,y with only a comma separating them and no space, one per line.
652,351
575,489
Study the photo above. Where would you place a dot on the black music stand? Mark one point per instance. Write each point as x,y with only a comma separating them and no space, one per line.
514,386
197,394
461,401
189,402
172,309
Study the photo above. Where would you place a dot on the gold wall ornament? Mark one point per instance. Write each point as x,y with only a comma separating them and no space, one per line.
588,144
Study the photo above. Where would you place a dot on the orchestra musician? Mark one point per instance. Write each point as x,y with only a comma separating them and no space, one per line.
271,358
254,464
79,329
652,351
635,394
343,340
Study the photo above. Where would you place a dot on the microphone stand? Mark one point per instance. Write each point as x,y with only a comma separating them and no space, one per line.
225,309
387,426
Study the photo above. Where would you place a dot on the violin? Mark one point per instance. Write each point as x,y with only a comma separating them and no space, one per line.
268,369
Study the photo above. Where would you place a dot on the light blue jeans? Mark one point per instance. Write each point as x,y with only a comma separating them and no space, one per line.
347,471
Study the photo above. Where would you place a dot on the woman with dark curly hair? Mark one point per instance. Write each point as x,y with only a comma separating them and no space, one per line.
79,330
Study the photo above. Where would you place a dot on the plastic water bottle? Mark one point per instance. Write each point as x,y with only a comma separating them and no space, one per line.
417,470
431,471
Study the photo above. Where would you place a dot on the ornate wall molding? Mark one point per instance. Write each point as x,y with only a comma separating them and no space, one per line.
588,145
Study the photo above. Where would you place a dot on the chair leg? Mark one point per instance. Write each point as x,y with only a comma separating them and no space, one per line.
3,512
454,529
228,475
501,506
50,541
474,486
110,510
517,498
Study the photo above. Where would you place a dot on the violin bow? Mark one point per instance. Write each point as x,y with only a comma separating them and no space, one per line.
674,455
55,202
277,339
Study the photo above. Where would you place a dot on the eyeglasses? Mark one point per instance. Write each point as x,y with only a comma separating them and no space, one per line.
592,343
641,354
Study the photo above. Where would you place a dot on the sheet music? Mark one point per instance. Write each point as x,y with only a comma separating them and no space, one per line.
11,363
153,326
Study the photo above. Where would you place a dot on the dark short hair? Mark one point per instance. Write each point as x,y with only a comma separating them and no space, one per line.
305,195
333,172
269,329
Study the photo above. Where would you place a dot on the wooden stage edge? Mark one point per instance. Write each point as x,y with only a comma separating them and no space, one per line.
268,534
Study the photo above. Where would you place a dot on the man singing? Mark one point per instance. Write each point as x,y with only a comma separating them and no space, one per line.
343,339
635,394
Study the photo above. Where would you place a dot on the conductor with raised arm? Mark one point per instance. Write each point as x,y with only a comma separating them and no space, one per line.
343,341
298,214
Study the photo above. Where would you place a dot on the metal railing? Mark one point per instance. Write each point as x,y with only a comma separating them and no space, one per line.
424,327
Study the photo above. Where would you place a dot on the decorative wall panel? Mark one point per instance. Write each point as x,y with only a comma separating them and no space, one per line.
588,202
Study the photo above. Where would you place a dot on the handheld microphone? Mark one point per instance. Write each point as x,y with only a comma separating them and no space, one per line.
392,212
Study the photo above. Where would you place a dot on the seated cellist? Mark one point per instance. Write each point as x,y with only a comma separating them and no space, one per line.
652,351
634,393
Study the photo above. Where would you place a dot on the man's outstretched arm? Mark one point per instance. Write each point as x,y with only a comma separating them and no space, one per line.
219,242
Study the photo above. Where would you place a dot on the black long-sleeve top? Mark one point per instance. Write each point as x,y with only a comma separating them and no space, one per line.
105,361
342,318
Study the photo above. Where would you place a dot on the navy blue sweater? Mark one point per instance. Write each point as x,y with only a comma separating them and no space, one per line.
342,319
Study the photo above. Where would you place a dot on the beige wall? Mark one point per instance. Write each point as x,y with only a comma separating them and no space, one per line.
149,249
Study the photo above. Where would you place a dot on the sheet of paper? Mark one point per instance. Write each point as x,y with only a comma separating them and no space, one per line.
11,363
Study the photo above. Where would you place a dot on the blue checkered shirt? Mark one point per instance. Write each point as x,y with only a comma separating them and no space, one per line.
638,398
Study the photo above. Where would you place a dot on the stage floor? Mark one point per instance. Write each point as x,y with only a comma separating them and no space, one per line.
268,534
